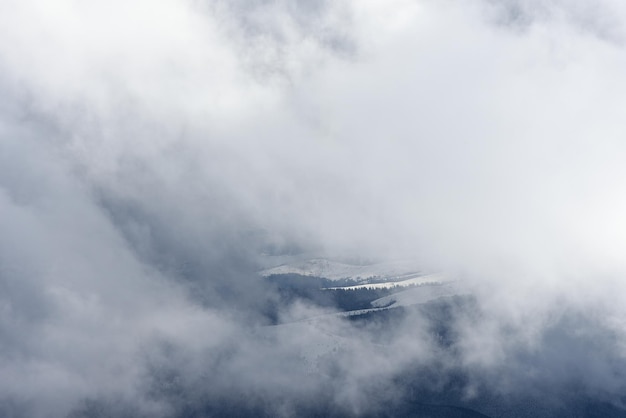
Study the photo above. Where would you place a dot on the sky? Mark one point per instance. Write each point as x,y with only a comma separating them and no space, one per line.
152,154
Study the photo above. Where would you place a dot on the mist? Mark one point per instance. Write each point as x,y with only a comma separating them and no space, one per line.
154,154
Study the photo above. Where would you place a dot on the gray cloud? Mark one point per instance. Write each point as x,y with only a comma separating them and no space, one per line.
599,18
151,153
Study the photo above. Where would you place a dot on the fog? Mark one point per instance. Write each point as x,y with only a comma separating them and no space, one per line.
153,153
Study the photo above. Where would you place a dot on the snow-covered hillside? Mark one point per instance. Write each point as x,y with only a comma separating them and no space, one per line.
333,270
417,295
389,284
417,280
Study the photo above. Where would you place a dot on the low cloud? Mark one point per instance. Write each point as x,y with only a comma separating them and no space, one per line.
153,154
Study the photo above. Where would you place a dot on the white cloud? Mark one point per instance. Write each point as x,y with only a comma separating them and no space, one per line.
144,146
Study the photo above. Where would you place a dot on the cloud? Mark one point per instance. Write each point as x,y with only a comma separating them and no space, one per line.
151,153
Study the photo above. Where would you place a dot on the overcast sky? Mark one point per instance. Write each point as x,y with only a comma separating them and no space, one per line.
151,152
